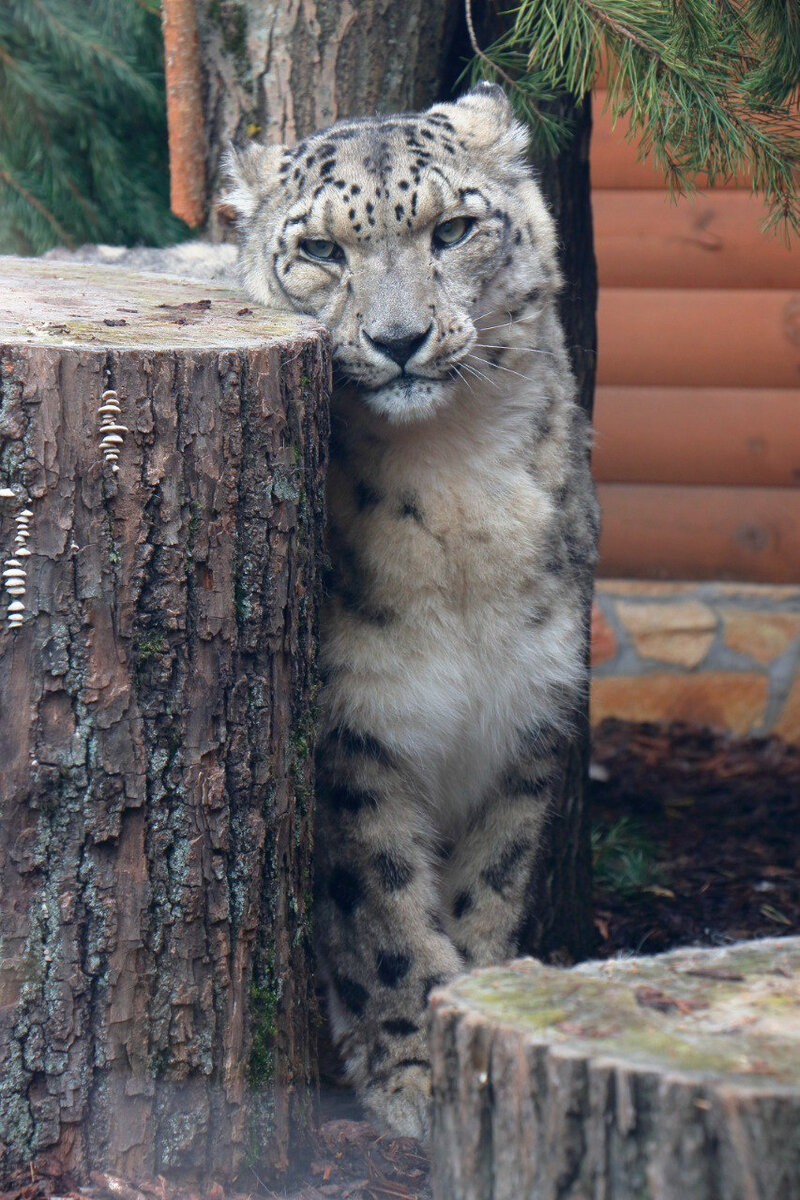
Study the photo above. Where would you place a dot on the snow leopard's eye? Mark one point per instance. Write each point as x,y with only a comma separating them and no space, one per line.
451,232
322,249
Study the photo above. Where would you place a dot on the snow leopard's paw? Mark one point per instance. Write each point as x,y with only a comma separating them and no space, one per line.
402,1102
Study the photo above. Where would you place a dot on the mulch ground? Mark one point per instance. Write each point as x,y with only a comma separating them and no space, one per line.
696,840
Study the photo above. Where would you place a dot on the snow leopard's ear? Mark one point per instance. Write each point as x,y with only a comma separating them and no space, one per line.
252,173
484,116
488,100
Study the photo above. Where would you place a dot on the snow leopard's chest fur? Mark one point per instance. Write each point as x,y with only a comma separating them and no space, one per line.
433,629
462,532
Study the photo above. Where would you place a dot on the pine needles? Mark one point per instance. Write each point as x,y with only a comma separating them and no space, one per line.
83,144
708,86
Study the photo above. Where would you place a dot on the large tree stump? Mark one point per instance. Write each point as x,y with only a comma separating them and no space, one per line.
668,1078
155,995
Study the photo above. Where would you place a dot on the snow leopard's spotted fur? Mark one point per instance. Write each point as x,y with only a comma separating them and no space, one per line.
462,536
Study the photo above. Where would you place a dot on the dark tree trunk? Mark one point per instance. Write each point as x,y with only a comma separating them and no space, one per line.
566,184
670,1077
559,926
155,983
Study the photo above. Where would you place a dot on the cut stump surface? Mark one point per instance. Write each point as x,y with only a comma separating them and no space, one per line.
656,1078
162,455
88,305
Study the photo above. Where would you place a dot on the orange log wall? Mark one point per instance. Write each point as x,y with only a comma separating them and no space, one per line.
698,403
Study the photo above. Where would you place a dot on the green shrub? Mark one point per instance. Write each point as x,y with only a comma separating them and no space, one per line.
83,142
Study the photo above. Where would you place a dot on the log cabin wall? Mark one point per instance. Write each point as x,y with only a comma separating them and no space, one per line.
697,452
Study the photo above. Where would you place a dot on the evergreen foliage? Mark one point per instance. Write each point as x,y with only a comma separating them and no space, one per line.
83,143
707,85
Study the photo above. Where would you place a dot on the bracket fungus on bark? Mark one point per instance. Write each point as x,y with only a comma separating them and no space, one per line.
15,573
112,433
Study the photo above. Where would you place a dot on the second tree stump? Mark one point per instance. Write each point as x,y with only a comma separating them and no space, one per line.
675,1077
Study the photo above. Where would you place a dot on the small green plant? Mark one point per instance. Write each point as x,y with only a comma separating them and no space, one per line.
624,858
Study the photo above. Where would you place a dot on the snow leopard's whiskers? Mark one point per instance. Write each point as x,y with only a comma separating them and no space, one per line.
463,378
526,349
496,366
488,382
478,374
508,324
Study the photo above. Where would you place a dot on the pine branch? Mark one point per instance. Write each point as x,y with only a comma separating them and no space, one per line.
707,86
8,179
66,38
82,125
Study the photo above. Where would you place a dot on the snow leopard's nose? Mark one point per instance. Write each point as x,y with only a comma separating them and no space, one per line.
399,349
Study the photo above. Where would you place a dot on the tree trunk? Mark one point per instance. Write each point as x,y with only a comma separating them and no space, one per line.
559,926
670,1077
184,87
155,688
278,71
566,184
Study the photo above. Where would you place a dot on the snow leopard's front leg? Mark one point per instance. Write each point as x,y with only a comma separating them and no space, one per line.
487,877
379,924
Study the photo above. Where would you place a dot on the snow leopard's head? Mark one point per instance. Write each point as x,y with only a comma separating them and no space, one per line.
401,234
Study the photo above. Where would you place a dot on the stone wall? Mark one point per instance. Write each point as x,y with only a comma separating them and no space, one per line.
723,655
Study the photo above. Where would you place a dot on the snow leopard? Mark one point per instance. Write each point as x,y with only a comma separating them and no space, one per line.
462,531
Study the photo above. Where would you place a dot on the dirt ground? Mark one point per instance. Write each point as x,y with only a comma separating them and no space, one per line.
696,839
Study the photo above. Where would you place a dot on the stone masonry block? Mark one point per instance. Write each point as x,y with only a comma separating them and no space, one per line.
648,588
762,636
604,640
787,725
675,633
732,700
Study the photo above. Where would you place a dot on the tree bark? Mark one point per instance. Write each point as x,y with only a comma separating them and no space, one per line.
559,926
187,145
670,1077
279,71
155,770
566,184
